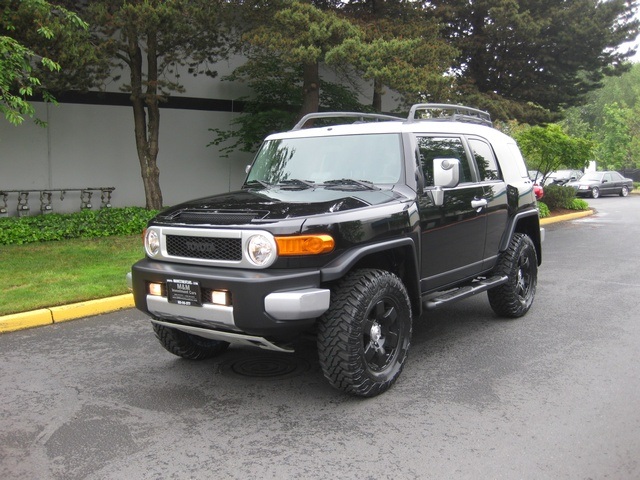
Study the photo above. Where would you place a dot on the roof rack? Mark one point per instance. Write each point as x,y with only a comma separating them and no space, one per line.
449,113
360,116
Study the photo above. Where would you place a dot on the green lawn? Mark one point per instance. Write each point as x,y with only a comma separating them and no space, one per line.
47,274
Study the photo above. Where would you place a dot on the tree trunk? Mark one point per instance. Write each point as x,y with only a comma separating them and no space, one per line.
310,90
146,117
378,91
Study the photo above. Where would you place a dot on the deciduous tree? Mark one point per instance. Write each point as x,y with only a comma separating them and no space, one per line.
549,148
36,40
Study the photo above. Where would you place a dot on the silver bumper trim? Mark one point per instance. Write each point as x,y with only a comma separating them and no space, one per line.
235,338
297,304
214,315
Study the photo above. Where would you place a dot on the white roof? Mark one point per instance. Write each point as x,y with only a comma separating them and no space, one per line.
419,126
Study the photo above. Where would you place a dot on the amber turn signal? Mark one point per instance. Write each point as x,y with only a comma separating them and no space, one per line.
305,245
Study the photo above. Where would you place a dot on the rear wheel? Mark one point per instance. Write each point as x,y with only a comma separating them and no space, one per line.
625,191
520,264
595,192
364,337
186,345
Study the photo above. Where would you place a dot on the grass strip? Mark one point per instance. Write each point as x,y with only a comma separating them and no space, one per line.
48,274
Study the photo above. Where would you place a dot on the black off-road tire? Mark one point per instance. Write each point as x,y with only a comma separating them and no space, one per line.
520,264
364,337
188,346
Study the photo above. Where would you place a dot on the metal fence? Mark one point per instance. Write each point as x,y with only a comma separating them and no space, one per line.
44,199
631,173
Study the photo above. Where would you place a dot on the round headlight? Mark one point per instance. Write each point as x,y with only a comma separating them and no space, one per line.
260,250
152,243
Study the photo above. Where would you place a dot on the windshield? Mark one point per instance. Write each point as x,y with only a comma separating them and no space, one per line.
375,158
591,177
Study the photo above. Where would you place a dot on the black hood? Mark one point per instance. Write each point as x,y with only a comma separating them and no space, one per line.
272,204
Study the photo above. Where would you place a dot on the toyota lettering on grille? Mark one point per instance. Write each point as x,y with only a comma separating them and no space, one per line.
200,247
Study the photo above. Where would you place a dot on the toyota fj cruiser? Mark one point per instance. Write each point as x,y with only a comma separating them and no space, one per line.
349,232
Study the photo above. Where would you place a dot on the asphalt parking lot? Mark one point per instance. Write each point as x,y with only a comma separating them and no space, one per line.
552,395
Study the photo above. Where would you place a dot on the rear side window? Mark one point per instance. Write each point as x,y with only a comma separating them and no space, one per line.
485,159
431,148
517,156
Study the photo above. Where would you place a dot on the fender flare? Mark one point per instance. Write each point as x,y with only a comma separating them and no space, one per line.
530,216
339,267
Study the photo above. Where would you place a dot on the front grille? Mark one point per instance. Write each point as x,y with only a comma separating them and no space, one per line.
207,248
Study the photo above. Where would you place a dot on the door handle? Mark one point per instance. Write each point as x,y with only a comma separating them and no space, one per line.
479,203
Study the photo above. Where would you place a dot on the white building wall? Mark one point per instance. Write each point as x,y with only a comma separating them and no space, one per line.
90,146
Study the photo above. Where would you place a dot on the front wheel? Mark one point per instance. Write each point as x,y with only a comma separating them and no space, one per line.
520,264
595,192
364,337
625,191
188,346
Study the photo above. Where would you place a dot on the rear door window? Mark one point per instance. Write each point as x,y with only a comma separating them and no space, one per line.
485,160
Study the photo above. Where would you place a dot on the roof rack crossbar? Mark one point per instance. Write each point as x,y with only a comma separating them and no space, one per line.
358,115
451,113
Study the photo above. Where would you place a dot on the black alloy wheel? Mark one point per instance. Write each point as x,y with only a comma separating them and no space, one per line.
519,263
364,337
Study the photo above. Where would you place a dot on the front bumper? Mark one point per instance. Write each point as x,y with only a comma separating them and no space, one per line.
269,303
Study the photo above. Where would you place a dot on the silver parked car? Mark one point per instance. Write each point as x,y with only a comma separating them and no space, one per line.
562,177
595,184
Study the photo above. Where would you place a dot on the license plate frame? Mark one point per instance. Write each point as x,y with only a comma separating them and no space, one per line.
184,292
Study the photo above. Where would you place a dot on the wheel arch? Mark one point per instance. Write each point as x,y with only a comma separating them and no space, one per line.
397,256
527,223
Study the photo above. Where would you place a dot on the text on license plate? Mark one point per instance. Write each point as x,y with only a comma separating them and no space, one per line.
184,292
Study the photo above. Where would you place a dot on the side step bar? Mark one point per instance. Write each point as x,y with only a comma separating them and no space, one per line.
438,299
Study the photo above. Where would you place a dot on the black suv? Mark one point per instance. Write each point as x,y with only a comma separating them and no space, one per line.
349,232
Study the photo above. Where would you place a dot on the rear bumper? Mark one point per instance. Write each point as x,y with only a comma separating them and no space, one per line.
274,303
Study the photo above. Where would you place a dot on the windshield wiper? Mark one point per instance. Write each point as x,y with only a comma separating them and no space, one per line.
298,183
255,183
349,182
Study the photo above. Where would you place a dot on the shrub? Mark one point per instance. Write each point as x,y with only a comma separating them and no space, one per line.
85,224
579,204
544,210
557,196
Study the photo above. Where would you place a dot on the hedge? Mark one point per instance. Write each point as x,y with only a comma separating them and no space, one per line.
557,196
85,224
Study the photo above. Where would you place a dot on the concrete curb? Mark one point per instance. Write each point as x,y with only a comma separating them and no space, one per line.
562,218
49,316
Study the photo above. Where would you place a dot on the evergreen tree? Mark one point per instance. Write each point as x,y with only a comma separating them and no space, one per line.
536,53
151,40
402,49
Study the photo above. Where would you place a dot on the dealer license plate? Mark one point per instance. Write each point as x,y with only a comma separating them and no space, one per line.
184,292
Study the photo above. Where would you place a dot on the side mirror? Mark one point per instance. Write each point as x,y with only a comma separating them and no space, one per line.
446,172
247,169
